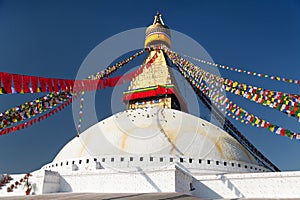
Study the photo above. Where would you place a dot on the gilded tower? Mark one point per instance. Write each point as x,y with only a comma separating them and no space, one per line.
158,33
155,86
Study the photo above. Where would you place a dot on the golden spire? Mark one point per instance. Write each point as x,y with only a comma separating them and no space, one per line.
158,33
155,86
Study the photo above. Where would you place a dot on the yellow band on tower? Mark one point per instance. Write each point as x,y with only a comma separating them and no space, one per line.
157,37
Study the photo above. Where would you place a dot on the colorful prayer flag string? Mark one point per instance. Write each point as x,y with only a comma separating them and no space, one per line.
109,70
16,83
238,70
221,101
32,108
35,120
284,102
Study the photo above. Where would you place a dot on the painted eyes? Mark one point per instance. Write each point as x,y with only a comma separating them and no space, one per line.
151,102
140,103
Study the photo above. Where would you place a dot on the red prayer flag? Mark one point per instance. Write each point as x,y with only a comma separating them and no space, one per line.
2,132
87,85
55,85
34,84
72,83
22,126
62,84
126,78
43,83
50,84
282,132
114,81
76,85
100,84
6,80
94,84
17,82
26,82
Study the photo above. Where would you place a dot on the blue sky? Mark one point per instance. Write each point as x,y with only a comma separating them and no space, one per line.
52,39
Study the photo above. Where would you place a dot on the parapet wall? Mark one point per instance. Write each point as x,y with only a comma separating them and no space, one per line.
251,185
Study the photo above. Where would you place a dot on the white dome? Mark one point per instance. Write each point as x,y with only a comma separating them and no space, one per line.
155,131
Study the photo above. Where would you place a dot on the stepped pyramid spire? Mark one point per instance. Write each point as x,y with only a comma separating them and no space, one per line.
155,86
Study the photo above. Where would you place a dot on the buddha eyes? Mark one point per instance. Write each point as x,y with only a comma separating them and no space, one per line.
143,102
140,103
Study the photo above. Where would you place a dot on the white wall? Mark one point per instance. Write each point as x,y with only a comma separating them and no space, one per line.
251,185
169,179
118,182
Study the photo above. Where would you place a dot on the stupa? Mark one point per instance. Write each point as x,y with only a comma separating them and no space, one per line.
155,145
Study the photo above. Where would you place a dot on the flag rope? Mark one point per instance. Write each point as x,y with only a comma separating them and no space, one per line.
286,103
224,104
238,70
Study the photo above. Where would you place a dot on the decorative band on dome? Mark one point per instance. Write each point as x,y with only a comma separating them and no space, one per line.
161,30
158,38
158,33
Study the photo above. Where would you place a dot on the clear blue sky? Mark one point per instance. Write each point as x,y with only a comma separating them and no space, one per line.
52,38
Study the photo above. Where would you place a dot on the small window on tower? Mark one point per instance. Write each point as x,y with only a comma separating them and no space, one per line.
156,100
139,103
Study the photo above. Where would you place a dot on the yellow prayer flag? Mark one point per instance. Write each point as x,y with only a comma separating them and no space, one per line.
235,84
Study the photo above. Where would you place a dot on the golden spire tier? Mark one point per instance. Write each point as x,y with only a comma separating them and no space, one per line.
155,85
158,33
